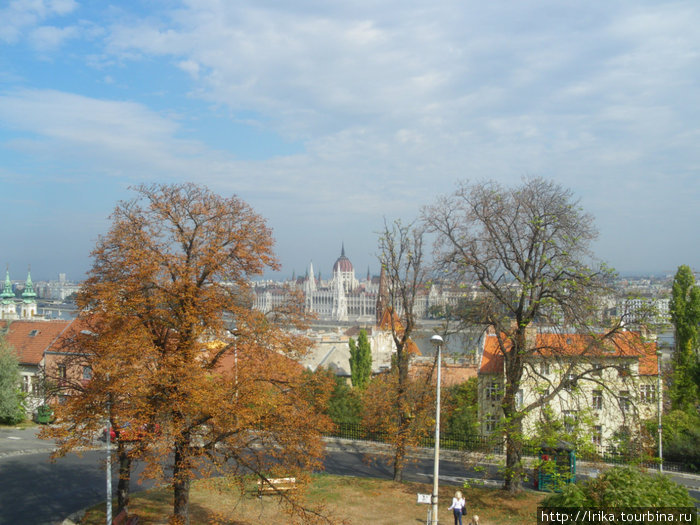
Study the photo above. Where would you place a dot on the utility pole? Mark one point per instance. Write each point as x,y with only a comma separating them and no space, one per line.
108,441
659,409
437,341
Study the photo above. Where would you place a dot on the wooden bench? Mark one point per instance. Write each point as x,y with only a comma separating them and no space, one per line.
274,485
123,518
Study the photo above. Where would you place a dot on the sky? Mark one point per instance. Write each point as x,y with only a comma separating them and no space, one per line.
330,117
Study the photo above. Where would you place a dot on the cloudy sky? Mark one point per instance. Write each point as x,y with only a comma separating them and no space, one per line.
329,116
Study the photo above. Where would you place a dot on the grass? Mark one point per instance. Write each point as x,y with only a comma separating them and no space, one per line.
355,501
27,423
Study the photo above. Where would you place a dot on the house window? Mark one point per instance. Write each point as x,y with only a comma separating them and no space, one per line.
61,371
87,373
598,436
519,399
544,368
493,391
570,419
570,382
597,370
491,423
647,393
625,404
25,383
623,370
597,400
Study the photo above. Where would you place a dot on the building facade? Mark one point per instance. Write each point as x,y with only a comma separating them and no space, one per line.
599,390
345,297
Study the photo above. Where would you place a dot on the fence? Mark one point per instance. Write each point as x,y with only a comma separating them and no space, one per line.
492,445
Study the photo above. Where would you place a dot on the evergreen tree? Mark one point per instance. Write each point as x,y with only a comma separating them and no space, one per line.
11,398
685,315
360,360
461,406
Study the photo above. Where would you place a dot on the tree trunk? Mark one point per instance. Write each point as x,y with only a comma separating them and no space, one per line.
400,451
513,418
514,452
181,484
124,476
403,413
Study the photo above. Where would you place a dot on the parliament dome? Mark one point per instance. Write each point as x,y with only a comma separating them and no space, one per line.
343,264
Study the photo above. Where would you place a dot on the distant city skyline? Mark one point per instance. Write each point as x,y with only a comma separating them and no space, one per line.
326,118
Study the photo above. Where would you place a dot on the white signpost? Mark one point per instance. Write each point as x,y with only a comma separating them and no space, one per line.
426,498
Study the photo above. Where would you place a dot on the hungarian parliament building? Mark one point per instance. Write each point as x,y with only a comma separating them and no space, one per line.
343,297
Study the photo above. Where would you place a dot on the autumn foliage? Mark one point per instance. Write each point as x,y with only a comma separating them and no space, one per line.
178,350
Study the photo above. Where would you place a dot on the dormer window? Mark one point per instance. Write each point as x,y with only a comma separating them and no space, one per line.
33,333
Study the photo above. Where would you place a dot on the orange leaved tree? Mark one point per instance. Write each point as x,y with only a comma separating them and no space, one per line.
206,382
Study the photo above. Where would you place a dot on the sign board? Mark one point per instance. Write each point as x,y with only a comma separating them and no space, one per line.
424,498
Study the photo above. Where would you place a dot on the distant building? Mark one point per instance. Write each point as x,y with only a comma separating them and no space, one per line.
13,307
344,297
341,298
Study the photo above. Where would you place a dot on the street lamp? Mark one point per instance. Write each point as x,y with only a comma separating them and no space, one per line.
108,441
659,408
437,341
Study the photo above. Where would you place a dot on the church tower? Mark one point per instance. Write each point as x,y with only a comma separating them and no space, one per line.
340,301
28,299
310,283
7,299
382,296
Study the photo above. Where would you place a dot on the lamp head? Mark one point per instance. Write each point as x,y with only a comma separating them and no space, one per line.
436,340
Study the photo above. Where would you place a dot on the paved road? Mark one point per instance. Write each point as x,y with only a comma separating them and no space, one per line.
35,491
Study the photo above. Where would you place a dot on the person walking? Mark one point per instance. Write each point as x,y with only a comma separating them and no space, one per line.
458,504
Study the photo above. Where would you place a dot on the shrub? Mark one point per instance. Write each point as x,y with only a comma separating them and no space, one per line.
622,487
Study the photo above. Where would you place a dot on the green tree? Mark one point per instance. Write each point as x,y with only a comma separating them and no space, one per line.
461,405
333,396
11,398
360,360
685,315
681,437
344,405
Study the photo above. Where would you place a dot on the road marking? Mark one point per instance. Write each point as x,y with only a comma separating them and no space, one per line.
13,437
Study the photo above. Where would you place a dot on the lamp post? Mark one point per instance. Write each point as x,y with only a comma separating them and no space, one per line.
108,440
108,446
437,341
659,408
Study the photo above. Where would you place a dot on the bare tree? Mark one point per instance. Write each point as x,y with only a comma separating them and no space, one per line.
403,279
526,247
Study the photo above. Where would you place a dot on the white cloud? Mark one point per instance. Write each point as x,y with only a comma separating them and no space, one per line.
393,101
22,15
46,38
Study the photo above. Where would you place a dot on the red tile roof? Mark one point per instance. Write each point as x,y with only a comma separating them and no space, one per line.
450,374
623,344
389,318
30,339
